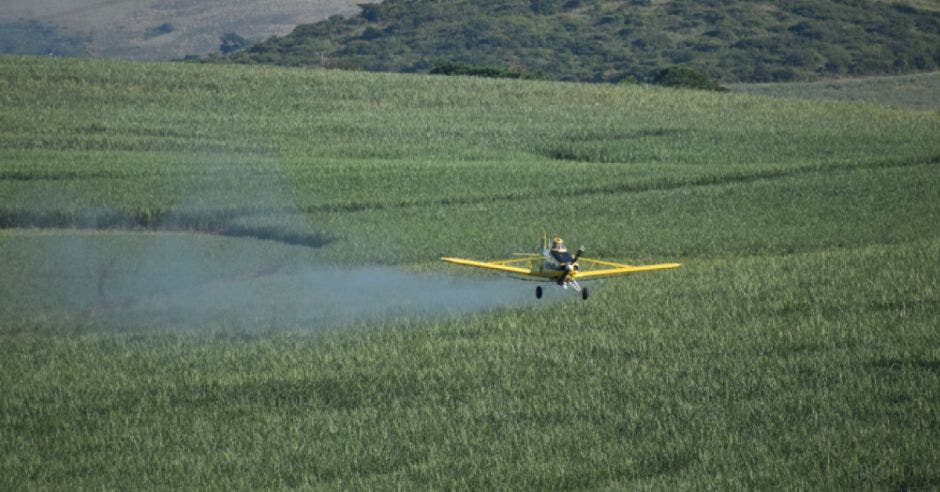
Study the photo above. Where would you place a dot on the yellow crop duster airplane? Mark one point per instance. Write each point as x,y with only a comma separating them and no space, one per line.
556,264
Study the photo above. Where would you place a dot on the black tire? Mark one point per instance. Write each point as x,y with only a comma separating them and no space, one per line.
584,293
538,292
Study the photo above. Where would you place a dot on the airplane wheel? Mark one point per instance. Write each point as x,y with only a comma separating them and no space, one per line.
584,293
538,292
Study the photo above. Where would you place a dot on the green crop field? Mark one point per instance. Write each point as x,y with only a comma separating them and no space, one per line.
918,91
228,277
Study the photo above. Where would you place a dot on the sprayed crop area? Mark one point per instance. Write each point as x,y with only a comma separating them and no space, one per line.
228,277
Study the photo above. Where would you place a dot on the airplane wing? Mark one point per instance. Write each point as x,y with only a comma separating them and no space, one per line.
590,269
519,266
593,269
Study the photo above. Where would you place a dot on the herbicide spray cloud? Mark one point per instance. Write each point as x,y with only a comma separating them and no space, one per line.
245,258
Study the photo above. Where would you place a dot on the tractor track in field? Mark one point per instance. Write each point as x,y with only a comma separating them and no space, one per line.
41,175
224,222
216,222
703,181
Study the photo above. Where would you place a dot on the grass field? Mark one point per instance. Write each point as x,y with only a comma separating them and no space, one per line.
227,276
918,91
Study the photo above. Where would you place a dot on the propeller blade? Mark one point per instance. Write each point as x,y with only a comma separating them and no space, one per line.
578,255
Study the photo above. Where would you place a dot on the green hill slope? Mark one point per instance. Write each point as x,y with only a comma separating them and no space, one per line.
228,277
600,40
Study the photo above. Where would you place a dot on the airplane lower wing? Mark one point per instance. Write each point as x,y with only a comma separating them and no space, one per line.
592,269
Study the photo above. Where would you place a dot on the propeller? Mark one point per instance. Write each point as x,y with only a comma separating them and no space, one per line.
578,255
571,267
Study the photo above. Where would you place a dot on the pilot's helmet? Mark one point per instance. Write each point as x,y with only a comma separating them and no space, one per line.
558,244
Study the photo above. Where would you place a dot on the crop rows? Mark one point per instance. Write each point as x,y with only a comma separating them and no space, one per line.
318,342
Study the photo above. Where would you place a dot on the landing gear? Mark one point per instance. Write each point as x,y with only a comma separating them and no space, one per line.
578,288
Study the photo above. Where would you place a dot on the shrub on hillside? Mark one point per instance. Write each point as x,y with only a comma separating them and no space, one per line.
371,11
685,77
160,30
450,68
231,42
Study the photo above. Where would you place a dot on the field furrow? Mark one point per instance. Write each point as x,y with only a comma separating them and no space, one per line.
229,277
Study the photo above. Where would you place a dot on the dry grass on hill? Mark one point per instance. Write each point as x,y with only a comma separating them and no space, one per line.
125,28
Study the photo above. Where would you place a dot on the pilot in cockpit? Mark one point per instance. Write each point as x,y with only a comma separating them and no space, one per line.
559,252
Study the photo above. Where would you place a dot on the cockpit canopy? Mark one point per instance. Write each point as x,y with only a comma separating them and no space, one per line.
559,252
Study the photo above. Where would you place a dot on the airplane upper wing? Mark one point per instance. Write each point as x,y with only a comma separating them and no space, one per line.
503,265
592,269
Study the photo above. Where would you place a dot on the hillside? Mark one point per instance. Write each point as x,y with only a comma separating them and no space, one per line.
149,29
601,40
228,277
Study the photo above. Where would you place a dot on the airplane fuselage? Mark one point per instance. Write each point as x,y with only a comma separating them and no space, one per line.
562,257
